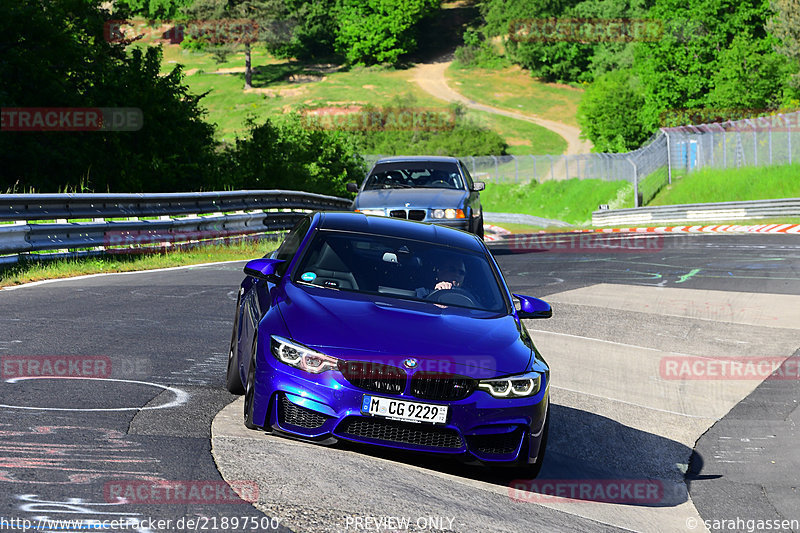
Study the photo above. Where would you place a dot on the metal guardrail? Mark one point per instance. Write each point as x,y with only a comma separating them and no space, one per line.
43,222
691,213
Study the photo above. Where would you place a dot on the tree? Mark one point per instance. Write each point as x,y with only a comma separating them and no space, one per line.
150,9
709,50
785,26
55,55
609,113
379,31
238,23
284,154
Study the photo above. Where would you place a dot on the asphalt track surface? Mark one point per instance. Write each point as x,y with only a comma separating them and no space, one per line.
718,449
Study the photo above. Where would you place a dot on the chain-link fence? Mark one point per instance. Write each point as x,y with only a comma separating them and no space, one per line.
771,140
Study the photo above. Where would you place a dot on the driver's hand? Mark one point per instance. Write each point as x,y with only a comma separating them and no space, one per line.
443,285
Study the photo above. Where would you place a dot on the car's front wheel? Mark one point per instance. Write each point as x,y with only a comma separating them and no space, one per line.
477,227
233,380
249,393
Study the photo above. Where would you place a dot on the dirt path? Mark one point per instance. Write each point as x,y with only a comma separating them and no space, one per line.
431,78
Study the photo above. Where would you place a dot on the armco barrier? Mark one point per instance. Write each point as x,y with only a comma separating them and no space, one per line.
43,222
695,213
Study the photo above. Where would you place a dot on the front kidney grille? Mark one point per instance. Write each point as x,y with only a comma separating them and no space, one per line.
497,444
411,214
374,376
296,415
440,386
401,432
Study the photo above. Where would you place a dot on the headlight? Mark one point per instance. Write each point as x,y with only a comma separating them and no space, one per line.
447,213
379,212
301,357
513,387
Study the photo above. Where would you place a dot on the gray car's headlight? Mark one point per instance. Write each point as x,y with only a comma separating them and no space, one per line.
302,357
447,213
380,212
520,386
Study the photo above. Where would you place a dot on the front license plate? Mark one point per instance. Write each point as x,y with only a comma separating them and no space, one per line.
403,410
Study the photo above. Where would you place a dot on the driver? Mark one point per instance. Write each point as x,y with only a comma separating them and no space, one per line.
449,275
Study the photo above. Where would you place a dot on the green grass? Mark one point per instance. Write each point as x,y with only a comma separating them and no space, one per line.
514,89
570,201
273,94
730,185
523,138
31,270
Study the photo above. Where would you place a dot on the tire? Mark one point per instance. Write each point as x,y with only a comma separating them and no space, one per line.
233,381
249,393
479,227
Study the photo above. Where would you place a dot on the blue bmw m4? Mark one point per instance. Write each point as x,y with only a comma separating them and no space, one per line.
391,333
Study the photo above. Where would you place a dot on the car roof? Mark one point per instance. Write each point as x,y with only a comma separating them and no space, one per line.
395,227
417,158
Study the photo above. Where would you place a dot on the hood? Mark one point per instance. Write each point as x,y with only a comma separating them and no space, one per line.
362,327
416,198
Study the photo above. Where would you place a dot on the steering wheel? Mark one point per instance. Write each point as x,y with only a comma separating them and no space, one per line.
454,296
439,183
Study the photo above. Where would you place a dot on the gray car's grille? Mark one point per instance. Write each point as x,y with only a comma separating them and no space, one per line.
411,214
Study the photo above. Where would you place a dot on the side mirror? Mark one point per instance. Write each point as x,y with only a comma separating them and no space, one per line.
530,307
478,186
352,186
263,268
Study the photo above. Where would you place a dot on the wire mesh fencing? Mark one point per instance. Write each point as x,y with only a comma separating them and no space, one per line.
671,152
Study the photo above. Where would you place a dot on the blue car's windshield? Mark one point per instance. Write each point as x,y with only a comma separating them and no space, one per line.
399,268
415,175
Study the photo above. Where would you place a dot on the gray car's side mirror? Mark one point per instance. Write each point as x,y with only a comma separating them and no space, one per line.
478,186
530,307
352,186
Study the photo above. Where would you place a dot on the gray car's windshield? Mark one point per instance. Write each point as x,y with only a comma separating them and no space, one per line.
400,268
415,175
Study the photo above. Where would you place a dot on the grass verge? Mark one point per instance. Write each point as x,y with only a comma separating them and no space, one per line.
730,185
32,270
512,88
570,201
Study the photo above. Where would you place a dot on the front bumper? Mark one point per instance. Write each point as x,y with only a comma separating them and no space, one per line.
326,406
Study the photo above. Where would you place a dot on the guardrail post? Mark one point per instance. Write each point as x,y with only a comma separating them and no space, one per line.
552,169
516,169
534,167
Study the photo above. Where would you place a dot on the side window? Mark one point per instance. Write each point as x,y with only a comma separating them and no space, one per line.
466,174
291,243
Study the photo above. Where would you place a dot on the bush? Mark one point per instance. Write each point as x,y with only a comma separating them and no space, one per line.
285,155
609,113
